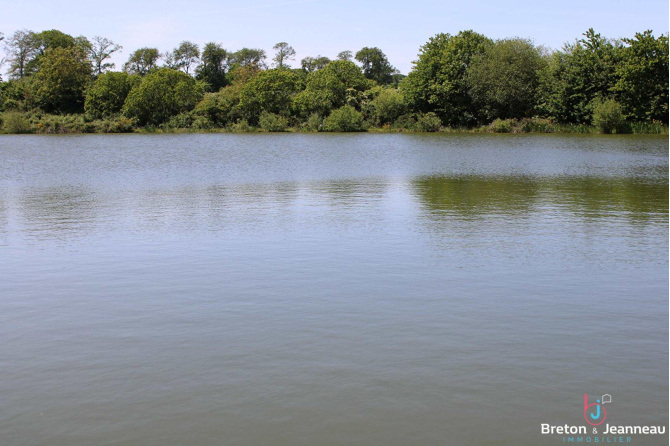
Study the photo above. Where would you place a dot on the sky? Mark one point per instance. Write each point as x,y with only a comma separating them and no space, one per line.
319,27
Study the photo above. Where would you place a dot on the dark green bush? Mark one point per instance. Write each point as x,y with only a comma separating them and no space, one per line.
15,122
502,125
608,116
405,122
162,94
344,119
536,125
107,95
428,122
242,126
388,106
271,122
314,123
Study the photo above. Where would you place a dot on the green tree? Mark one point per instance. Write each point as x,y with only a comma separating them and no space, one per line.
184,57
344,119
285,52
642,77
100,50
577,75
241,74
339,83
375,65
503,80
608,116
310,64
17,94
161,94
248,56
142,61
108,93
388,106
437,82
221,108
345,55
213,66
46,40
270,91
62,79
21,47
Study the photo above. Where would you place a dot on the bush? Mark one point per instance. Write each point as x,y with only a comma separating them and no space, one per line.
119,124
107,95
344,119
501,125
221,108
242,126
405,122
63,124
388,106
608,116
15,122
180,121
271,91
536,125
314,122
428,122
162,94
271,122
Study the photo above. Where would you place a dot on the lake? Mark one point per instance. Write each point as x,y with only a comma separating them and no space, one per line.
330,289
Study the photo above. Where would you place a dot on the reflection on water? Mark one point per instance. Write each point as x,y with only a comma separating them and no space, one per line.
591,197
72,211
329,289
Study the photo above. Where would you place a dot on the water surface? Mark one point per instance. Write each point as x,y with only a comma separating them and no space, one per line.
330,289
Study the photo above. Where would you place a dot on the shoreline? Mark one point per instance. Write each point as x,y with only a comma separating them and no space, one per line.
556,129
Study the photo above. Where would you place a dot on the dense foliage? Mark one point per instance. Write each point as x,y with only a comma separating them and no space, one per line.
108,94
438,82
59,83
160,95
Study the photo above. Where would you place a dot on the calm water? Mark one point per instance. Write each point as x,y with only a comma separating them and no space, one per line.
330,289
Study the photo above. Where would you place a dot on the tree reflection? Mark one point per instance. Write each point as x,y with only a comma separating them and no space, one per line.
593,197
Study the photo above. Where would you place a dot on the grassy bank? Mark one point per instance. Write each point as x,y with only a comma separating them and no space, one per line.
39,123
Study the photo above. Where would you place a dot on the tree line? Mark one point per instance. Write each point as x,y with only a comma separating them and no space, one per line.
458,81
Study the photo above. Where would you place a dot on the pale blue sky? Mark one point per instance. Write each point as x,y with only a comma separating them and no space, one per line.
328,27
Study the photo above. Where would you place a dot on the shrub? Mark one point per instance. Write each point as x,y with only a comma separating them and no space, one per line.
242,126
162,94
388,106
119,124
63,124
221,108
271,122
339,83
314,122
428,122
180,121
608,116
18,94
344,119
501,126
107,95
536,125
405,122
271,91
15,122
